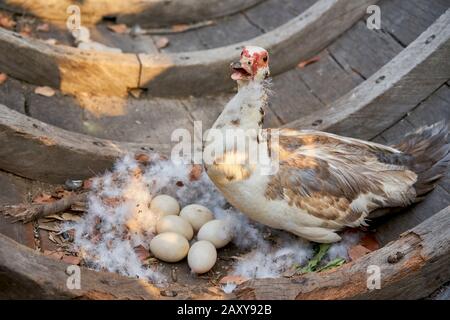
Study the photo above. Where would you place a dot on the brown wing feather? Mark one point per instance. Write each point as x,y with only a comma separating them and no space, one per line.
329,176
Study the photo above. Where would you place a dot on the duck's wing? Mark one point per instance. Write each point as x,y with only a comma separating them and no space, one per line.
338,179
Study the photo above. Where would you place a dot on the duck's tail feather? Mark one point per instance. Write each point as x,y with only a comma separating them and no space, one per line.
429,149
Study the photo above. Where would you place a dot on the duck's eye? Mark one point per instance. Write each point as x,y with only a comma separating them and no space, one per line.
265,59
249,63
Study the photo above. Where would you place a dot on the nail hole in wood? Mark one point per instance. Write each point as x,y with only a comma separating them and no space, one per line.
430,38
380,79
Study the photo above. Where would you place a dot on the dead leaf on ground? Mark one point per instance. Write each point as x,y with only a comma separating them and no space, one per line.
370,242
55,217
45,91
304,63
3,77
142,158
233,279
142,253
43,27
196,172
43,198
54,254
162,42
136,92
118,28
49,227
357,252
70,217
7,22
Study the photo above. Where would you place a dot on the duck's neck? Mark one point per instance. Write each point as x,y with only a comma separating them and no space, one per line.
246,109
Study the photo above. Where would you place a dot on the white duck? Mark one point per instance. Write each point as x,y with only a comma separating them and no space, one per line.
324,182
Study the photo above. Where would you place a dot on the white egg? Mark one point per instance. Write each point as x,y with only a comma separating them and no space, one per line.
175,224
165,205
169,247
218,232
197,215
202,256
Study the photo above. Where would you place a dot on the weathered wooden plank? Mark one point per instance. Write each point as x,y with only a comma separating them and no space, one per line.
11,94
13,191
230,30
145,13
421,268
407,21
63,67
364,51
327,79
292,98
270,14
139,44
36,150
394,90
27,274
297,6
398,222
184,42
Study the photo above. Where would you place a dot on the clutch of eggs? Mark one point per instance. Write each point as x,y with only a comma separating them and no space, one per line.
174,231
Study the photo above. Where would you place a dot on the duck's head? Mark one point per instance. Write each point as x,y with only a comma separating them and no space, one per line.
252,66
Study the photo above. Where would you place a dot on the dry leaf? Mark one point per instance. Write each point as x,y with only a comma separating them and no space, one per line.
196,172
370,242
43,27
7,22
118,28
233,279
55,217
70,217
49,227
71,260
162,42
142,158
43,198
142,253
357,252
136,92
304,63
45,91
54,254
3,77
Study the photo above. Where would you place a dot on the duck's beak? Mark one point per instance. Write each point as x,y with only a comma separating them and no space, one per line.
239,73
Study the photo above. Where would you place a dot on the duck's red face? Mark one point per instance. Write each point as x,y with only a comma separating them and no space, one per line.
253,65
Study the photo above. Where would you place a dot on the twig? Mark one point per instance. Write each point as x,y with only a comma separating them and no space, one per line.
174,29
34,211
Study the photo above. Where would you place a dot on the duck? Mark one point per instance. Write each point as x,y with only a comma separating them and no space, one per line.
310,183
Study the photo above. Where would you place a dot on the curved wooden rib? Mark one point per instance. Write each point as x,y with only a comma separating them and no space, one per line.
175,74
390,93
151,13
36,150
411,268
